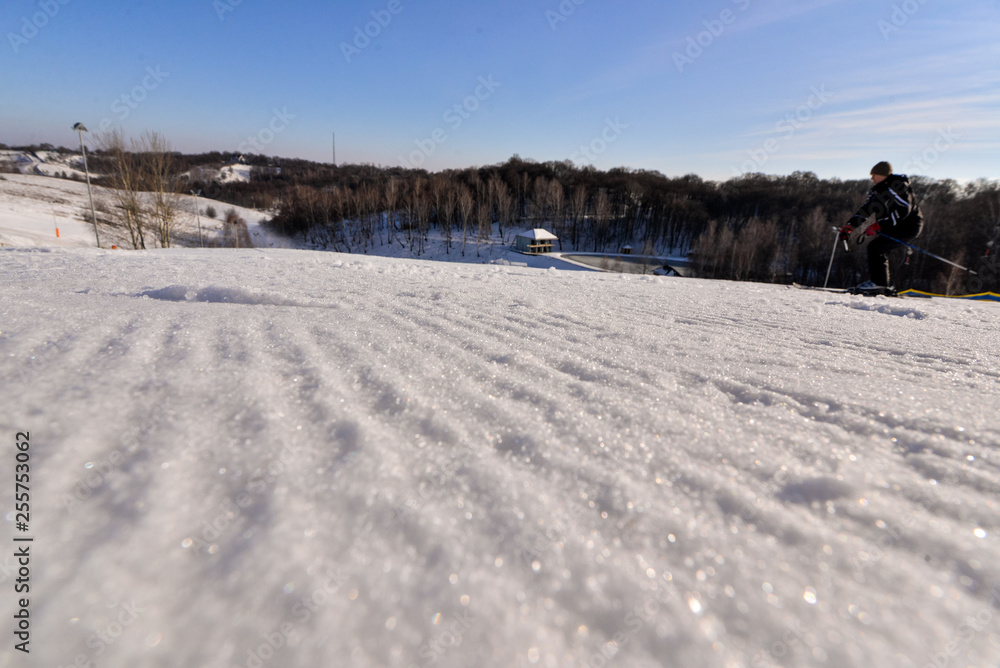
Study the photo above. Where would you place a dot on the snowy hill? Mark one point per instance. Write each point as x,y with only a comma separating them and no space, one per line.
287,458
32,207
45,163
70,165
234,174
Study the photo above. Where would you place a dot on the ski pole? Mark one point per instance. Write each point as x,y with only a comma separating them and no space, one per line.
936,257
834,252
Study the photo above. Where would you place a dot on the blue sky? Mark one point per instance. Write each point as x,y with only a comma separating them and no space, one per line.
715,88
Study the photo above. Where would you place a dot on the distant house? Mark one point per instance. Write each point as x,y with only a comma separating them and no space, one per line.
535,241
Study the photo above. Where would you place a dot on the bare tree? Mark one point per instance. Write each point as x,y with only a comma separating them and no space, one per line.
753,249
484,222
368,197
235,232
602,214
466,206
447,213
440,187
157,163
557,204
421,207
578,205
125,181
141,177
504,202
540,202
391,199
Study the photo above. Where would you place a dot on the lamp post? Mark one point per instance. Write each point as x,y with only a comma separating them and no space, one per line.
79,127
197,214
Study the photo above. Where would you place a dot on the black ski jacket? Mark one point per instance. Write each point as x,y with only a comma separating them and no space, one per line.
894,207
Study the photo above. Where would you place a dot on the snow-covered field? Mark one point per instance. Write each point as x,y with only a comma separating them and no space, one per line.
45,163
290,458
235,174
32,207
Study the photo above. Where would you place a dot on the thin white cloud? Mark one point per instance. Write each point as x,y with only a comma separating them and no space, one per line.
762,13
655,60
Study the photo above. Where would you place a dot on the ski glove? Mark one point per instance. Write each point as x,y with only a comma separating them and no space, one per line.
873,229
845,232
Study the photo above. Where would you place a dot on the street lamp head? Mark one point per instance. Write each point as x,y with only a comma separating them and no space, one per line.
79,127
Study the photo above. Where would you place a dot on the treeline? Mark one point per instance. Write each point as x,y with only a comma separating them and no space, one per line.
754,227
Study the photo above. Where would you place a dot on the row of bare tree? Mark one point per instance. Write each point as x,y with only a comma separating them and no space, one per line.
142,186
755,227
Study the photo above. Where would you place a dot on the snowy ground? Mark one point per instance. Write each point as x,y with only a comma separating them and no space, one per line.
32,207
288,458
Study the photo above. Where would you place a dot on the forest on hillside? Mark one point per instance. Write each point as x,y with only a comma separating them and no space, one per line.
754,227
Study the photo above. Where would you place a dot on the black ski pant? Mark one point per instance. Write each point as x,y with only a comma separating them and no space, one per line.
878,251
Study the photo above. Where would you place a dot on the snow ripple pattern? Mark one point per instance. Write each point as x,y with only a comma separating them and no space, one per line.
285,458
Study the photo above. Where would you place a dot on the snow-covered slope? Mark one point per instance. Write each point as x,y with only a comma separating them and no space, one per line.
285,458
234,174
32,207
45,163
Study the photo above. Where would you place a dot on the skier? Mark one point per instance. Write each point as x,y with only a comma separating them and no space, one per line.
892,203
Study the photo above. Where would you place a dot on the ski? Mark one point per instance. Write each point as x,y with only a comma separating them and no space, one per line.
879,292
840,291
